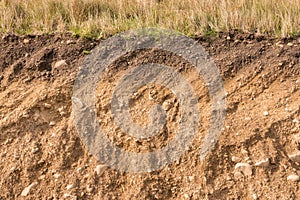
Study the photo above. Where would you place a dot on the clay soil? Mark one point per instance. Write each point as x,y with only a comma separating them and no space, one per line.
42,156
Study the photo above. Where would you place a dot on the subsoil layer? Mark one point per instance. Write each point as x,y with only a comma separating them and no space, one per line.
256,157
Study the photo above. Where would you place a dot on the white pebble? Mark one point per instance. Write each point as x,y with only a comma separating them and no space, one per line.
56,176
26,190
52,123
69,187
100,169
254,196
245,168
293,177
191,178
47,105
263,163
26,41
265,113
79,169
235,159
60,63
69,42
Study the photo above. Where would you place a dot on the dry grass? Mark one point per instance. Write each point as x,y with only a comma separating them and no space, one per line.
192,17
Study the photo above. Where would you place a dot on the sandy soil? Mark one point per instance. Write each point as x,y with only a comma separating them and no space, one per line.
256,157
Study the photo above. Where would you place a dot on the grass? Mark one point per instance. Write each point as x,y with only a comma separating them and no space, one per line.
101,18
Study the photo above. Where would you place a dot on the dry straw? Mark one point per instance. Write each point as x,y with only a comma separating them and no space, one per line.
101,18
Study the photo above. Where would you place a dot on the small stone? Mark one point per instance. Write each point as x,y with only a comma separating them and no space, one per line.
235,159
34,150
297,138
60,64
69,187
25,115
228,38
186,196
295,156
254,196
266,179
167,105
290,44
52,123
26,190
248,118
26,41
244,151
79,169
150,97
70,42
82,194
293,177
56,176
47,105
89,188
245,168
8,141
263,163
61,111
100,169
149,170
238,175
191,178
67,195
280,64
279,44
265,113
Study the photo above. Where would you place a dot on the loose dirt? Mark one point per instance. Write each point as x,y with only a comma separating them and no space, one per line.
256,157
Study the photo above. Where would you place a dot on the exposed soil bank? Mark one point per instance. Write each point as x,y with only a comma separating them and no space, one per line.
42,157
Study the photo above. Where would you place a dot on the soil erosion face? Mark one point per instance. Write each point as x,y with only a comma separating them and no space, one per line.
256,157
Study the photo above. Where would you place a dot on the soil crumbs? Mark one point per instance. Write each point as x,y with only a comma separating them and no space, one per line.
257,155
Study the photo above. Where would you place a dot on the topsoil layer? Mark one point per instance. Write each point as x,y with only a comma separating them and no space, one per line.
256,157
